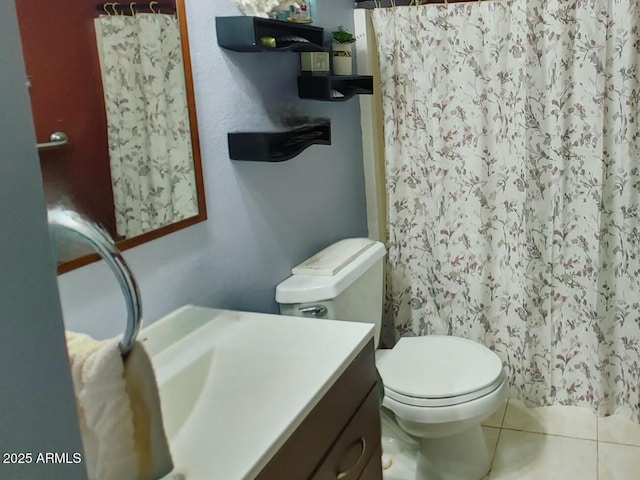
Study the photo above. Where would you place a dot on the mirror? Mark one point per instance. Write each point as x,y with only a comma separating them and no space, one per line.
114,112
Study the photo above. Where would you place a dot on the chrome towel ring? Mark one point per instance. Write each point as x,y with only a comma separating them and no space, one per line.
72,225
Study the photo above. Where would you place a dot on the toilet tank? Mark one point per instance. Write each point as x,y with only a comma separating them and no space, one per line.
342,282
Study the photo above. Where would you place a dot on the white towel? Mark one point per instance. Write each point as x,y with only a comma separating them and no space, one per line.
152,448
119,411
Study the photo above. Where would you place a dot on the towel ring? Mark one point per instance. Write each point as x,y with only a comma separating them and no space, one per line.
70,224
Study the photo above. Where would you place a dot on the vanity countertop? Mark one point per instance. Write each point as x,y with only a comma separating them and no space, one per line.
235,385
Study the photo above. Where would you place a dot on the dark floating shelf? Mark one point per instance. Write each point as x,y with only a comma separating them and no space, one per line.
322,87
278,146
245,34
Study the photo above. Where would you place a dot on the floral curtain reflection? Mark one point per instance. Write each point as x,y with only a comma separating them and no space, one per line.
152,169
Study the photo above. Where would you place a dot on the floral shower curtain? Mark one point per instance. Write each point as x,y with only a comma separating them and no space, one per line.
152,169
513,181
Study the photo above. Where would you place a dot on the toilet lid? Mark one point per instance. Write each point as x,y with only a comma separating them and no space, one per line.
439,366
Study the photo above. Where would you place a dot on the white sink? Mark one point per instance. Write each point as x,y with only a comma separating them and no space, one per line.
234,385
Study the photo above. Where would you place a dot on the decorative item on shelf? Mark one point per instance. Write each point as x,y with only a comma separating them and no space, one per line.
262,8
314,63
299,12
341,51
281,15
305,14
268,42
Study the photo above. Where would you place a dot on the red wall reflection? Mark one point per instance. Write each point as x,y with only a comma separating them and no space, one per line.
66,95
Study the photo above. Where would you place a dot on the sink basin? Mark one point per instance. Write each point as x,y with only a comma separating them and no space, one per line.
235,385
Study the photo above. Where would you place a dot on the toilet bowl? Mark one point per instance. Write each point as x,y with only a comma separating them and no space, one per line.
439,387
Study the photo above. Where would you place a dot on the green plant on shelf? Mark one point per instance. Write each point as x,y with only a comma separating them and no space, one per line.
342,36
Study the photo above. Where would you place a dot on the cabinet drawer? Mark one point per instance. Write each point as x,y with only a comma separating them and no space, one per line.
373,470
360,439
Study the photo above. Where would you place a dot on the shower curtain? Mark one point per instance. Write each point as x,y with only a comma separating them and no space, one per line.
513,186
151,159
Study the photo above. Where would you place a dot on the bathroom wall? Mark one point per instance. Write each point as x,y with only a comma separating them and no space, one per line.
37,408
263,218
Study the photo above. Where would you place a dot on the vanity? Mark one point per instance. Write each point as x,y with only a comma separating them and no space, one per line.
258,396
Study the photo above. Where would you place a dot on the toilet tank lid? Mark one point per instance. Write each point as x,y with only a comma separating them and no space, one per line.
348,259
334,258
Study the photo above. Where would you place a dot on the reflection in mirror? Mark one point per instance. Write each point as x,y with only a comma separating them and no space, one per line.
114,112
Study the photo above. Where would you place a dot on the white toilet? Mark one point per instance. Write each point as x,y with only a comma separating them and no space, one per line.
440,388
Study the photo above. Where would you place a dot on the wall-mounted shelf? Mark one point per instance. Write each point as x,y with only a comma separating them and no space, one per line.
278,146
334,88
255,34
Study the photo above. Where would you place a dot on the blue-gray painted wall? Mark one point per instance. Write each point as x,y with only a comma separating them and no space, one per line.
264,218
37,407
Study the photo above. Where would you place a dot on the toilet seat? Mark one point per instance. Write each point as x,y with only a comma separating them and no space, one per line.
444,401
439,370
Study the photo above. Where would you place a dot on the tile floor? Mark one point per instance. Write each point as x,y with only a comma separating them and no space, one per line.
561,443
546,443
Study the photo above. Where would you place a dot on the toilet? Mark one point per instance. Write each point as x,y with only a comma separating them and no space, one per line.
438,387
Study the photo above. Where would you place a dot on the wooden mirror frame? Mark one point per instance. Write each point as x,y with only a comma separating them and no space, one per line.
127,243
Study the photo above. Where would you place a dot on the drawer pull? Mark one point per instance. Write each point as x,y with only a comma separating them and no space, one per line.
347,472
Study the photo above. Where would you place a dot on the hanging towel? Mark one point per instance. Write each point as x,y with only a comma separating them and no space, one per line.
119,411
152,448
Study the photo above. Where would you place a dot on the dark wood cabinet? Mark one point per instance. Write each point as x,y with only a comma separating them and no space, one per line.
340,438
373,469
